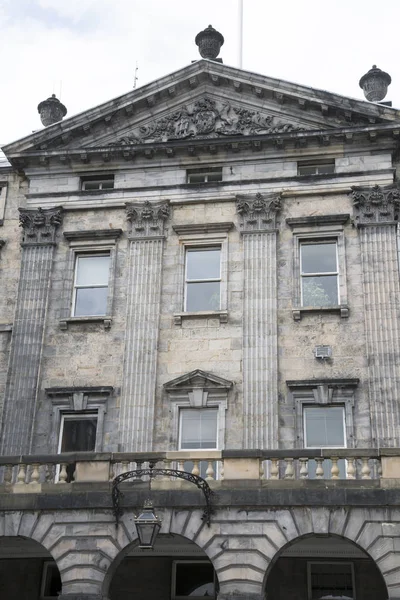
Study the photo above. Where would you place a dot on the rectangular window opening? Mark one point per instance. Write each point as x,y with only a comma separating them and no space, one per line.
51,581
78,433
316,168
333,580
319,273
198,430
193,579
91,284
97,182
324,427
206,175
203,279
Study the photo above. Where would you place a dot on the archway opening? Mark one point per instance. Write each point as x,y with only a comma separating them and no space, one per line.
324,567
27,570
174,569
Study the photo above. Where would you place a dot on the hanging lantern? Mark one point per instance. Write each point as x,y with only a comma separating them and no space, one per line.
147,526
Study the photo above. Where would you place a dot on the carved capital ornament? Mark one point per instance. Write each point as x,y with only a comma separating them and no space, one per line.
147,219
258,213
39,225
376,205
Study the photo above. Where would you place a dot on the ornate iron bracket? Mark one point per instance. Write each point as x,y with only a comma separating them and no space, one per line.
199,482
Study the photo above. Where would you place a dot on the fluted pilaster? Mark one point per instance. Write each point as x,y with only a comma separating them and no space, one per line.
260,339
376,214
142,324
39,229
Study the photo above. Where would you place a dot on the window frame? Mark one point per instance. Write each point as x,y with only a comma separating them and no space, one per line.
324,407
305,275
324,228
173,579
199,237
100,179
76,286
77,416
206,171
194,249
329,562
88,243
317,164
191,408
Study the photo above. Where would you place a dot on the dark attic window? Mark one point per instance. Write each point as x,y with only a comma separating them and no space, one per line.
97,182
206,175
323,167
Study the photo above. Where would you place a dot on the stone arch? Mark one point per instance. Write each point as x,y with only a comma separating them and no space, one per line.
376,531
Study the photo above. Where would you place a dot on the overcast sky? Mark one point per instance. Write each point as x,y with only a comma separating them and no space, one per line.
92,47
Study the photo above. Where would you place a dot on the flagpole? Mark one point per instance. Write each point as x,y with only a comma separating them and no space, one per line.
240,19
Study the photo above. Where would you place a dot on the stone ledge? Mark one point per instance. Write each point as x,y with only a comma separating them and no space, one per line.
222,315
85,320
95,234
297,312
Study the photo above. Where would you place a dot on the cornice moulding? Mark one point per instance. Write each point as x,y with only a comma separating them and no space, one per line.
339,219
88,234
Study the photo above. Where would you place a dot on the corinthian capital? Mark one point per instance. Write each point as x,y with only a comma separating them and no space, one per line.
259,212
39,225
147,219
376,205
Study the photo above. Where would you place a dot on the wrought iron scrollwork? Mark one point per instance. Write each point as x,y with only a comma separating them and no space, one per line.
152,472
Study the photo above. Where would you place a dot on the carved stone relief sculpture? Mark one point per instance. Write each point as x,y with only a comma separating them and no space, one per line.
208,119
374,205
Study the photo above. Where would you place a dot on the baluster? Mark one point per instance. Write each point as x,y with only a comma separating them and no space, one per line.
112,472
350,470
221,470
62,478
274,470
35,473
8,473
50,473
124,466
196,470
303,468
379,467
334,469
181,465
21,474
319,471
365,471
262,469
289,471
210,471
167,465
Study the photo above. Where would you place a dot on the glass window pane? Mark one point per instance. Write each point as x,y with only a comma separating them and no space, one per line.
108,184
203,264
91,185
324,426
198,429
196,178
215,176
332,580
318,258
194,580
90,302
203,296
320,291
79,435
92,270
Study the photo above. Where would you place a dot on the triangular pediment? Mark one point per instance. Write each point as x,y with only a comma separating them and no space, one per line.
205,100
198,379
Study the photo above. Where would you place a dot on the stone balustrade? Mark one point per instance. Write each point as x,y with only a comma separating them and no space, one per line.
214,466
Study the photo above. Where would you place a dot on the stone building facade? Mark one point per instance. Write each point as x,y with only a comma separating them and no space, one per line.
203,274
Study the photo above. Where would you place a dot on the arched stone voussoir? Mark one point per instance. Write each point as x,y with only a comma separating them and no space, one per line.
240,573
84,580
252,560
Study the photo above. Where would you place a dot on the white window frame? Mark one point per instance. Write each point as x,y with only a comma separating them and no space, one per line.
206,172
317,165
324,407
327,228
173,579
328,562
77,416
303,275
184,408
98,179
89,254
193,249
201,237
88,243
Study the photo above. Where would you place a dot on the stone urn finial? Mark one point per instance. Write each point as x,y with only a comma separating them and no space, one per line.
209,42
375,84
51,111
